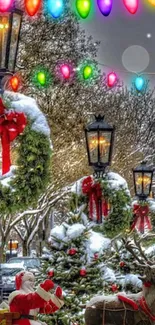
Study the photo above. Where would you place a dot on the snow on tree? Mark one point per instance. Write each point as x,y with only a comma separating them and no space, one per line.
83,260
74,264
26,224
45,42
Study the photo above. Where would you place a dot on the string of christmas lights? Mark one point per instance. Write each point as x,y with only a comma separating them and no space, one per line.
86,72
57,8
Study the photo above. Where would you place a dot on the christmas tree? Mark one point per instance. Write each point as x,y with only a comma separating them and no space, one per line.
75,266
84,262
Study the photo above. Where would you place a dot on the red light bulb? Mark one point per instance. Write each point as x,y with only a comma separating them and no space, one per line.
65,70
5,5
131,5
111,80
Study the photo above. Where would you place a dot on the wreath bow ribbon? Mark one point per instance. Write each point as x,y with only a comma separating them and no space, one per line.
142,219
97,204
11,125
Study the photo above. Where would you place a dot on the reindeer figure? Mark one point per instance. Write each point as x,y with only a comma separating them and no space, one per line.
121,309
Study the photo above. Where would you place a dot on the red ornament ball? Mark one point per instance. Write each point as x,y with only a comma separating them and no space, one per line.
122,264
72,251
83,272
114,287
96,256
50,273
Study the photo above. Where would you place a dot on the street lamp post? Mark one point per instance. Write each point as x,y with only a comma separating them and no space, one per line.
10,25
99,140
143,176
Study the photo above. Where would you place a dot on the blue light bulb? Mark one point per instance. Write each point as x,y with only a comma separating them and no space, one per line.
55,8
139,83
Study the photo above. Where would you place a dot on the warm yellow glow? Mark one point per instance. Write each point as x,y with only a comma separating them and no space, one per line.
2,26
152,2
144,179
13,244
102,142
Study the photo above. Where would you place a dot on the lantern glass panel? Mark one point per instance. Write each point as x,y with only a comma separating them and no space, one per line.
146,183
4,31
14,40
143,182
104,146
138,182
93,146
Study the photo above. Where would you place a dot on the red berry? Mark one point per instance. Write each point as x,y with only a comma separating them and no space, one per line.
83,272
72,251
122,264
96,256
50,273
114,287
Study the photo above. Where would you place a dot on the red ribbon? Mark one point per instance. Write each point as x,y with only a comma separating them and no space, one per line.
11,125
142,219
105,208
146,309
142,303
96,203
128,301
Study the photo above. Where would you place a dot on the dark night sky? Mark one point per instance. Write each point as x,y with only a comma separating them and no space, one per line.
120,30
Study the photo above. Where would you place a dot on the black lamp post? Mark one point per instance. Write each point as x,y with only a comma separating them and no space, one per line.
10,25
143,176
99,141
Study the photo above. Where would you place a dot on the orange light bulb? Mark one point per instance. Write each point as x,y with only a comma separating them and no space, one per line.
14,82
32,6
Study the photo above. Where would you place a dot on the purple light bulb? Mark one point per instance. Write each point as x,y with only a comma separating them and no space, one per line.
105,6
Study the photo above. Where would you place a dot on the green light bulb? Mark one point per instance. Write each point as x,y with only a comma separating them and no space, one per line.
83,8
41,78
87,72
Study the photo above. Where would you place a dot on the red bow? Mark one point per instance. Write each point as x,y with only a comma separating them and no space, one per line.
142,219
147,284
97,205
11,125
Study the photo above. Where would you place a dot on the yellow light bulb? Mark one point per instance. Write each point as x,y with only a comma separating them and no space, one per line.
152,2
145,180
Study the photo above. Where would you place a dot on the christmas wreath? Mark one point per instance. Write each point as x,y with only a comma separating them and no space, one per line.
109,202
22,121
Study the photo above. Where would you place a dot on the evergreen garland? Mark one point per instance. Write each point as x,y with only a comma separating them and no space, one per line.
31,176
120,215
